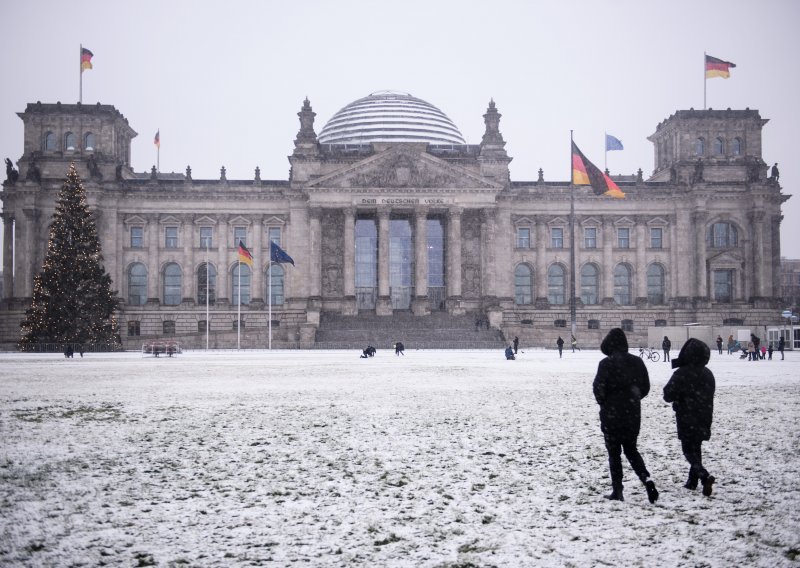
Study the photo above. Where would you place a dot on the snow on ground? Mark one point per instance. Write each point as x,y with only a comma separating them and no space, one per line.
437,459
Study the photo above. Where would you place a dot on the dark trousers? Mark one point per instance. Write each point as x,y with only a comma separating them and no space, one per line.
666,355
615,449
692,450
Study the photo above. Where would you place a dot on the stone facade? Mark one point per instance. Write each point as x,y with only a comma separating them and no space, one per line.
427,227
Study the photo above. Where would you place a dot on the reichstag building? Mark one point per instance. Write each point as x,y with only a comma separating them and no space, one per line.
402,230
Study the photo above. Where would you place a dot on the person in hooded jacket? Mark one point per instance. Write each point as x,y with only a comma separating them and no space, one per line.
691,392
619,386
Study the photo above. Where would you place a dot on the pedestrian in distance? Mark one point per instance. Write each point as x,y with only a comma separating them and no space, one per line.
719,344
781,346
751,348
399,349
574,343
731,344
510,353
691,392
769,350
516,344
619,386
560,344
666,345
756,346
763,352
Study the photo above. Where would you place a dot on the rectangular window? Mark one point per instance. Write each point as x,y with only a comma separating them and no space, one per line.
723,285
133,329
239,236
171,237
557,238
656,238
137,237
205,238
590,237
274,235
523,238
623,238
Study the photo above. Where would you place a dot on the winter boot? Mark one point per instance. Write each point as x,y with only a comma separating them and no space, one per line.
708,483
691,482
652,492
616,495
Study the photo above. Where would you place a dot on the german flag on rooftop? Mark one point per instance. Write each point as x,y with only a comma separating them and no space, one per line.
718,68
585,172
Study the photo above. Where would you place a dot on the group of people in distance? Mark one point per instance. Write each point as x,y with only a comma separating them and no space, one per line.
619,386
369,350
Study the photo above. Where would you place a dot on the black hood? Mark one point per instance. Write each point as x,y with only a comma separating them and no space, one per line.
693,352
614,341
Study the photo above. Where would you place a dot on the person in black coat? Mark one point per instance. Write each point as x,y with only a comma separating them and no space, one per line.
560,345
666,345
399,348
781,346
516,344
620,384
691,392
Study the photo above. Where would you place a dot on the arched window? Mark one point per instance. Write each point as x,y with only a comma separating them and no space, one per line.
206,284
277,284
88,141
49,142
699,146
245,284
168,327
556,290
723,235
70,141
589,284
137,284
172,284
523,284
655,284
736,147
719,146
622,285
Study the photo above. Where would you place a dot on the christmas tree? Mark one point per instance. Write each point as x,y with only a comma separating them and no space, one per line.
72,297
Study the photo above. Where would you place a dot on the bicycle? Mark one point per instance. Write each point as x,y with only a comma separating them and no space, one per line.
649,352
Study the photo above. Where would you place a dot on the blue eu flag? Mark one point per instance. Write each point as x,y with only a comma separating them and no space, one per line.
277,254
613,143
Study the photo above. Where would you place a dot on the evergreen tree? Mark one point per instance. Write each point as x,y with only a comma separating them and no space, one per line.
72,297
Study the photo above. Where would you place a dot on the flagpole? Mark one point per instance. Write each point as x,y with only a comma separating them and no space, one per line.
207,291
605,145
239,309
269,293
80,74
705,81
572,310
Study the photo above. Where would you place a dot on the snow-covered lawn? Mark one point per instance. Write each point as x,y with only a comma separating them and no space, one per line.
438,459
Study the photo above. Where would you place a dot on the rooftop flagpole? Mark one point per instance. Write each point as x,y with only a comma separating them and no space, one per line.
80,73
239,306
705,81
269,293
207,291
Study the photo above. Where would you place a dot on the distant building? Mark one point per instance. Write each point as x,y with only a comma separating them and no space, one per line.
394,220
790,283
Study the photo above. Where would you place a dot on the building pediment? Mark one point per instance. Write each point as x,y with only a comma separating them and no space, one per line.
239,220
274,221
624,222
401,168
205,220
135,220
657,222
591,222
169,220
726,258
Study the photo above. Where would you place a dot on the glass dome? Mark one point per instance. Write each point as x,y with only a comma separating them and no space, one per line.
389,116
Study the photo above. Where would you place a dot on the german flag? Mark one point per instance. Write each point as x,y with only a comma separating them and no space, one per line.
585,172
86,59
718,68
244,255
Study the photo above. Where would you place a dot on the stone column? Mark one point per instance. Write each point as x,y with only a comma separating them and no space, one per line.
384,304
258,283
223,266
315,250
420,304
759,281
349,268
701,284
504,245
674,269
540,277
641,260
188,264
27,252
488,254
8,256
153,261
607,271
453,262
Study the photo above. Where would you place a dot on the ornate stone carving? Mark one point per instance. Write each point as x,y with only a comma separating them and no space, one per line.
403,172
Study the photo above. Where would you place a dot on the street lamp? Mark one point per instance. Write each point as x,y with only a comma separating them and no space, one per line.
792,319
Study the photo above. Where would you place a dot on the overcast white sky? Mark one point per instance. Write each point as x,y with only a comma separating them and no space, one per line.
224,81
